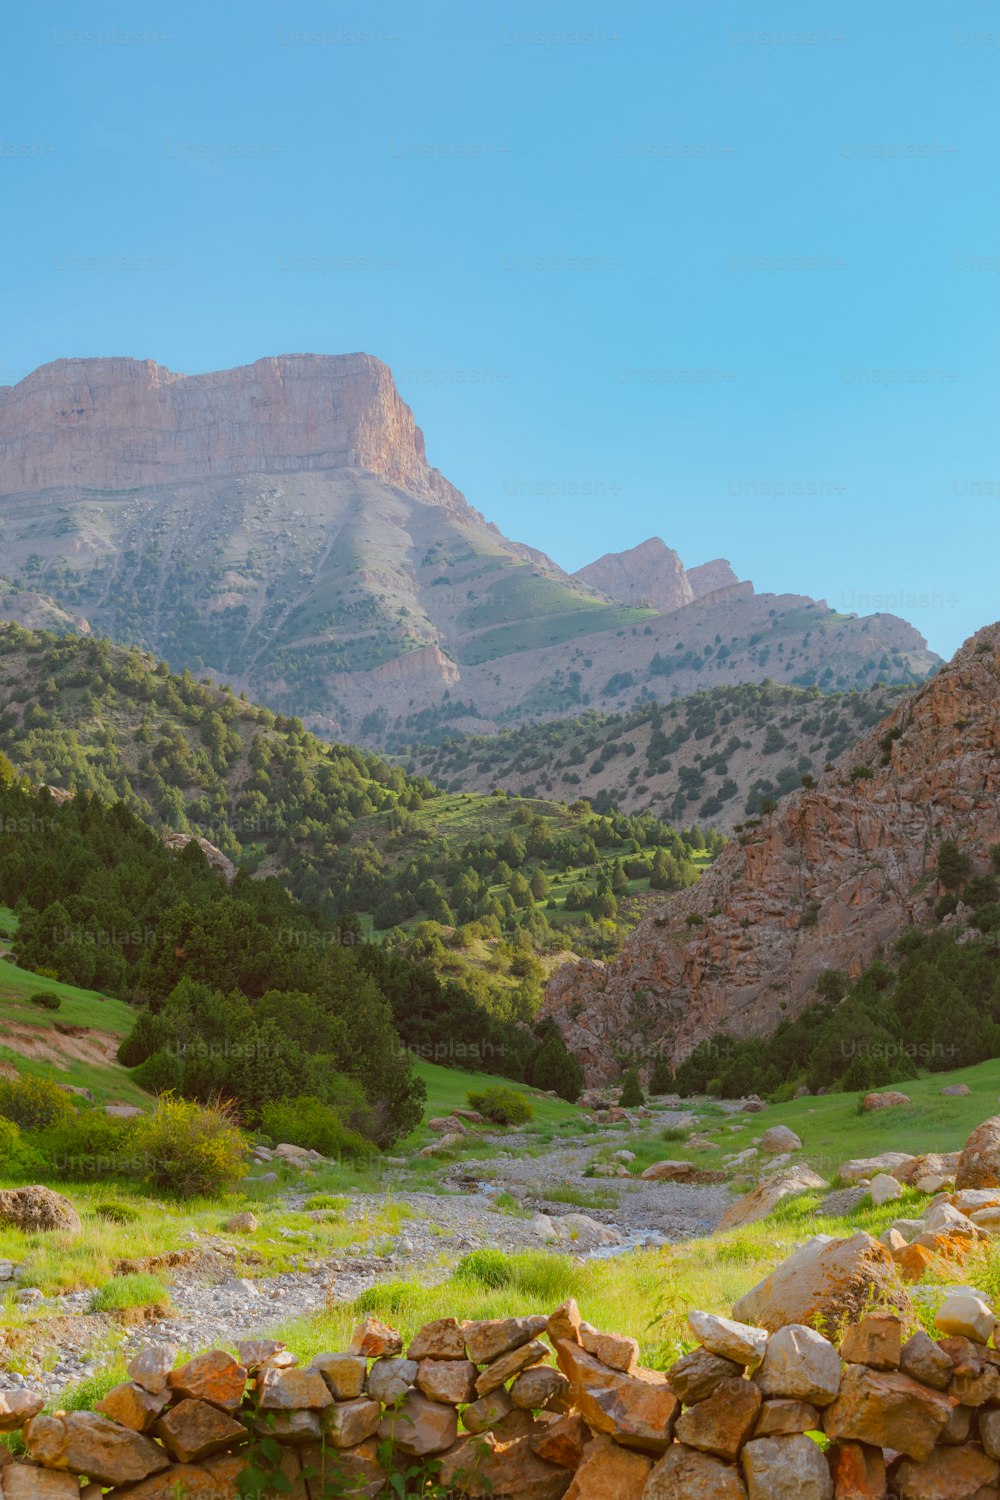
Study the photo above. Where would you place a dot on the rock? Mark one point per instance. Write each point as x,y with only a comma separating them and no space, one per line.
508,1467
18,1407
375,1340
986,1218
696,1375
786,1468
543,1228
857,1471
344,1374
922,1359
933,1184
214,1377
759,1202
884,1189
612,1349
947,1474
563,1442
354,1472
25,1482
255,1352
802,1364
826,1283
509,1365
913,1261
958,1426
729,1340
241,1224
129,1404
419,1427
958,1090
538,1387
841,1201
753,1105
875,1341
780,1416
565,1323
479,1416
908,1228
442,1144
151,1366
84,1442
192,1430
491,1337
979,1162
932,1164
218,861
989,1432
942,1218
293,1427
447,1126
388,1379
442,1339
888,1410
892,1240
449,1380
867,1167
638,1410
36,1209
668,1171
779,1138
966,1316
722,1423
608,1472
347,1423
292,1390
587,1233
889,1099
685,1474
472,1115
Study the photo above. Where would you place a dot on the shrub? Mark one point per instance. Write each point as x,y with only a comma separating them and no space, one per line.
539,1275
91,1144
386,1300
326,1200
308,1122
34,1103
554,1067
137,1289
10,1141
661,1080
45,1000
502,1106
489,1269
674,1133
117,1213
190,1148
631,1095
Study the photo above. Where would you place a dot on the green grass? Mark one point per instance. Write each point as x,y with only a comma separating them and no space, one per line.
136,1289
447,1089
549,630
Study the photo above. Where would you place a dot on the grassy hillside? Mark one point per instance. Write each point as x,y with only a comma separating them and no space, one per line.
709,758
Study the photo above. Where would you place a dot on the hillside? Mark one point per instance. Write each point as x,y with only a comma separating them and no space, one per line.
829,880
709,758
278,527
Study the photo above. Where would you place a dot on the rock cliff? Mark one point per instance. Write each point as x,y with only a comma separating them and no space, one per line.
652,573
827,880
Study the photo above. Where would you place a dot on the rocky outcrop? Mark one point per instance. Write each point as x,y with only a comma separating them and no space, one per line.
219,862
709,577
652,573
828,880
119,423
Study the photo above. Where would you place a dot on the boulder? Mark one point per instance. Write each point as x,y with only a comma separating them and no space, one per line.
612,1349
509,1365
564,1442
447,1126
669,1171
965,1315
449,1380
491,1337
957,1090
244,1223
638,1410
292,1390
609,1472
888,1099
442,1339
884,1189
802,1364
781,1416
759,1202
216,1377
876,1341
193,1430
947,1474
345,1471
722,1423
506,1465
728,1339
151,1366
887,1409
18,1407
347,1423
565,1323
696,1375
418,1427
375,1340
786,1468
979,1162
826,1282
779,1138
857,1471
130,1405
344,1374
295,1427
932,1164
840,1202
26,1482
388,1379
479,1416
84,1442
538,1387
866,1167
924,1360
989,1431
685,1474
443,1143
36,1209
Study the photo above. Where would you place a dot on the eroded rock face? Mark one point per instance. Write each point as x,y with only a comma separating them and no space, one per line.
979,1163
864,850
651,573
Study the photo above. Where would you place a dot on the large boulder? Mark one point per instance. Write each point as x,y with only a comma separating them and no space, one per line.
686,1474
800,1363
638,1409
825,1282
889,1099
760,1201
84,1442
786,1468
864,1168
887,1409
979,1163
780,1138
37,1208
932,1164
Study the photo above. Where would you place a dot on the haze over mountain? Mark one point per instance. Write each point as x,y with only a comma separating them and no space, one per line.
278,526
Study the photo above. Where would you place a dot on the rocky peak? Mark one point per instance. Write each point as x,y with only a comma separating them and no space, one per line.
652,573
828,880
119,423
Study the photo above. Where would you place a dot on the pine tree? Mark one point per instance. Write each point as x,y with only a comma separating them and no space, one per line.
631,1095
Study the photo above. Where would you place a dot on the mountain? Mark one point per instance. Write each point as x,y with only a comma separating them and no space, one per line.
709,758
828,880
652,574
278,527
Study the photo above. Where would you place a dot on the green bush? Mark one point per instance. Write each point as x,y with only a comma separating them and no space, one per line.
631,1095
10,1142
45,1000
90,1145
326,1200
502,1106
137,1289
387,1299
190,1149
115,1212
489,1269
542,1276
309,1122
34,1103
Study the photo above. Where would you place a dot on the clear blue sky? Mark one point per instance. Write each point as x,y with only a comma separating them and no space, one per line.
581,203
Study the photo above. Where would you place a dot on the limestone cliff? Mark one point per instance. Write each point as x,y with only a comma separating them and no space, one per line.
827,880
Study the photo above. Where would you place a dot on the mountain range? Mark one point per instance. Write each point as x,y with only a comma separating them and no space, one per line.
278,527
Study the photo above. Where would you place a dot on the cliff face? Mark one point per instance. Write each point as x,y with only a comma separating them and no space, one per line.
826,881
652,573
119,423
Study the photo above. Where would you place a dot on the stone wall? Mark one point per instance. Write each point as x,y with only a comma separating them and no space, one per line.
538,1408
